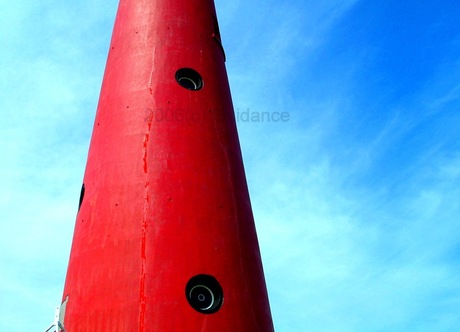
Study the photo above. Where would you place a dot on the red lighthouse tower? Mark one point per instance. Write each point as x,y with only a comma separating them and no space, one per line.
164,237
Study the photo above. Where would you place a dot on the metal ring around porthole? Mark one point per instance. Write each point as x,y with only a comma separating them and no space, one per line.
202,297
188,83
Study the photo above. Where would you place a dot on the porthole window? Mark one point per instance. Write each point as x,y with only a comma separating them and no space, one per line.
204,294
189,79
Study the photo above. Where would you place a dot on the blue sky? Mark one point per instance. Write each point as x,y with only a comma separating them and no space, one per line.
356,196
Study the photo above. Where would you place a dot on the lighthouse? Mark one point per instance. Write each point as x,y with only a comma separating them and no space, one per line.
164,237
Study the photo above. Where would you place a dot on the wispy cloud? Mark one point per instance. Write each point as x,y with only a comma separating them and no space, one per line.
355,209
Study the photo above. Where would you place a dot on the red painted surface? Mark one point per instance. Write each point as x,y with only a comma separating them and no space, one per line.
165,192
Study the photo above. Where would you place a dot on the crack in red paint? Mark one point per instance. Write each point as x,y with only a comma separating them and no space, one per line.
142,296
144,158
150,81
146,140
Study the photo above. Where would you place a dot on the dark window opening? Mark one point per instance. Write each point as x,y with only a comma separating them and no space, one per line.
189,79
82,195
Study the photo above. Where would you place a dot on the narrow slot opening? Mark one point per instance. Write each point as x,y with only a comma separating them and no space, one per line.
82,195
